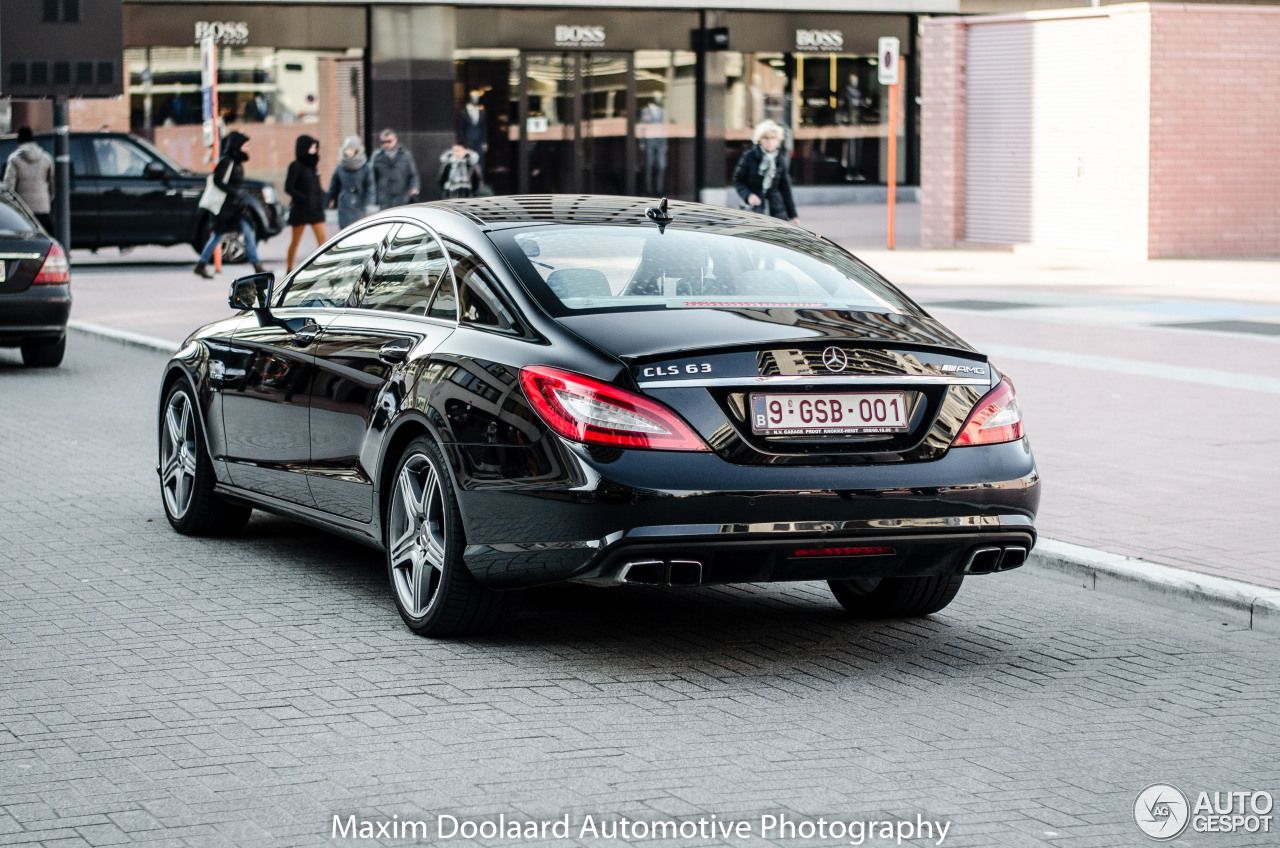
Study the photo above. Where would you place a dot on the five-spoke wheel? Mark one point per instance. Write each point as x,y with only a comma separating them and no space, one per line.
434,592
417,532
178,455
186,474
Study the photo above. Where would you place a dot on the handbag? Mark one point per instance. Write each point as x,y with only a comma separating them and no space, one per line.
213,197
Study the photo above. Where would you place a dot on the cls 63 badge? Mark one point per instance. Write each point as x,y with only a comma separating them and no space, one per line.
676,370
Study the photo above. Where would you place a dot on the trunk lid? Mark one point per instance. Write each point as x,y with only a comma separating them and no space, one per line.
20,262
811,387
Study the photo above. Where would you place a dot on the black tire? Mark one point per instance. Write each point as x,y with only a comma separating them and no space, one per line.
434,592
186,473
44,353
896,597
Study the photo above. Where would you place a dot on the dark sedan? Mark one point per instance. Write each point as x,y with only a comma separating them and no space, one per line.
514,391
35,286
125,193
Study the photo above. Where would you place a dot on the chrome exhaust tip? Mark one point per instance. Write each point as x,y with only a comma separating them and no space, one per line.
684,572
1013,557
983,561
658,572
646,572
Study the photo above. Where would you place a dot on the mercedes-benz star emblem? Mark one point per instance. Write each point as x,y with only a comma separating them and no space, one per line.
835,359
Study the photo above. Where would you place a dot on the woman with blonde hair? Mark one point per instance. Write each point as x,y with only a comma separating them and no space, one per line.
761,178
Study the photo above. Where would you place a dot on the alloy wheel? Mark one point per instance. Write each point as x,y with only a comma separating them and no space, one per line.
418,536
178,455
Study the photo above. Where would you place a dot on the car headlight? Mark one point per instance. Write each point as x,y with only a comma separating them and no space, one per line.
269,194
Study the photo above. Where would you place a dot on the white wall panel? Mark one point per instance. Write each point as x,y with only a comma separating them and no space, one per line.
1040,130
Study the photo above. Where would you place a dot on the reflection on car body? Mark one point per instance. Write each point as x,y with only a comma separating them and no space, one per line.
513,391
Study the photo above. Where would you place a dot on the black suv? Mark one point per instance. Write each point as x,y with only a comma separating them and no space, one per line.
125,192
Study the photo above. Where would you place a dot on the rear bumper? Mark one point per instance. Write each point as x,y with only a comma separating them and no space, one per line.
39,312
918,519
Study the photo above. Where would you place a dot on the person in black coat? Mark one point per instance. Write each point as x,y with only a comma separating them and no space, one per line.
228,175
761,178
307,200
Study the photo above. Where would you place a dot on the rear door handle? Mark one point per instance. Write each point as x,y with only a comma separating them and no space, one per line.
395,351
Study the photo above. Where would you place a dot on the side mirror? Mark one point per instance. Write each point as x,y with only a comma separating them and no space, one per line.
153,171
252,292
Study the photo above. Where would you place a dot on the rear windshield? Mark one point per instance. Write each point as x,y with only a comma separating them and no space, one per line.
574,268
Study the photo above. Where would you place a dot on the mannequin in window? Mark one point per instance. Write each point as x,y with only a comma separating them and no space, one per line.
851,106
653,146
472,129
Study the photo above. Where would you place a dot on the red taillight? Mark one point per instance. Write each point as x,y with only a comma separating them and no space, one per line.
596,413
55,270
995,419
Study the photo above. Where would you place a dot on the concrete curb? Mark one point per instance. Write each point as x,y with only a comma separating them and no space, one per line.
125,337
1242,604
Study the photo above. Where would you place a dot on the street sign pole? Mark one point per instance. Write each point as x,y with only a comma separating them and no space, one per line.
61,172
893,158
209,112
887,74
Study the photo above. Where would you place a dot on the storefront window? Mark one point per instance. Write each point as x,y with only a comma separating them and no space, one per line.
830,105
272,94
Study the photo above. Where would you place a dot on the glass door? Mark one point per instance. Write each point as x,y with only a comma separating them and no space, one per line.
577,123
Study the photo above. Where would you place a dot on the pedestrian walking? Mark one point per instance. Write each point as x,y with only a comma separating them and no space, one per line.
307,200
351,188
395,177
460,171
761,178
28,173
233,215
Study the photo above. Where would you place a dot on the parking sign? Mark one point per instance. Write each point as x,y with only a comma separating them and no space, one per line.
888,53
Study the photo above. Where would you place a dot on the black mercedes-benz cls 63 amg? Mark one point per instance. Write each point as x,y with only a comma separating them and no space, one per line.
507,392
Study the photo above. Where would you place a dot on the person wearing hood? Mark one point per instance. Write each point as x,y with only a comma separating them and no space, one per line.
233,217
395,177
761,178
29,174
351,187
307,198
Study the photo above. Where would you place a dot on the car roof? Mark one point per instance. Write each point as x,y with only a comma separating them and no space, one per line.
499,211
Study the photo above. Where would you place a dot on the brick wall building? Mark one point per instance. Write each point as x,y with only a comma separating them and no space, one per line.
1179,161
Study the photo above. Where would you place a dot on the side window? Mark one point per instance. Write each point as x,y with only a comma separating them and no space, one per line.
478,293
408,273
330,277
81,153
118,158
445,303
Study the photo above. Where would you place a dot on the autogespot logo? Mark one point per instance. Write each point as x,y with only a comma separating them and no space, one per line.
1161,812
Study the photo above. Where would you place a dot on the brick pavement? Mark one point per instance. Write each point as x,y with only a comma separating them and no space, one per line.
160,690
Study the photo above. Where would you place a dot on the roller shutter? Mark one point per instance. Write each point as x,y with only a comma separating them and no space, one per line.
1040,125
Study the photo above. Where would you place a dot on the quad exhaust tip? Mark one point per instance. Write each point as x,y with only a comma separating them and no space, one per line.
657,572
992,559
